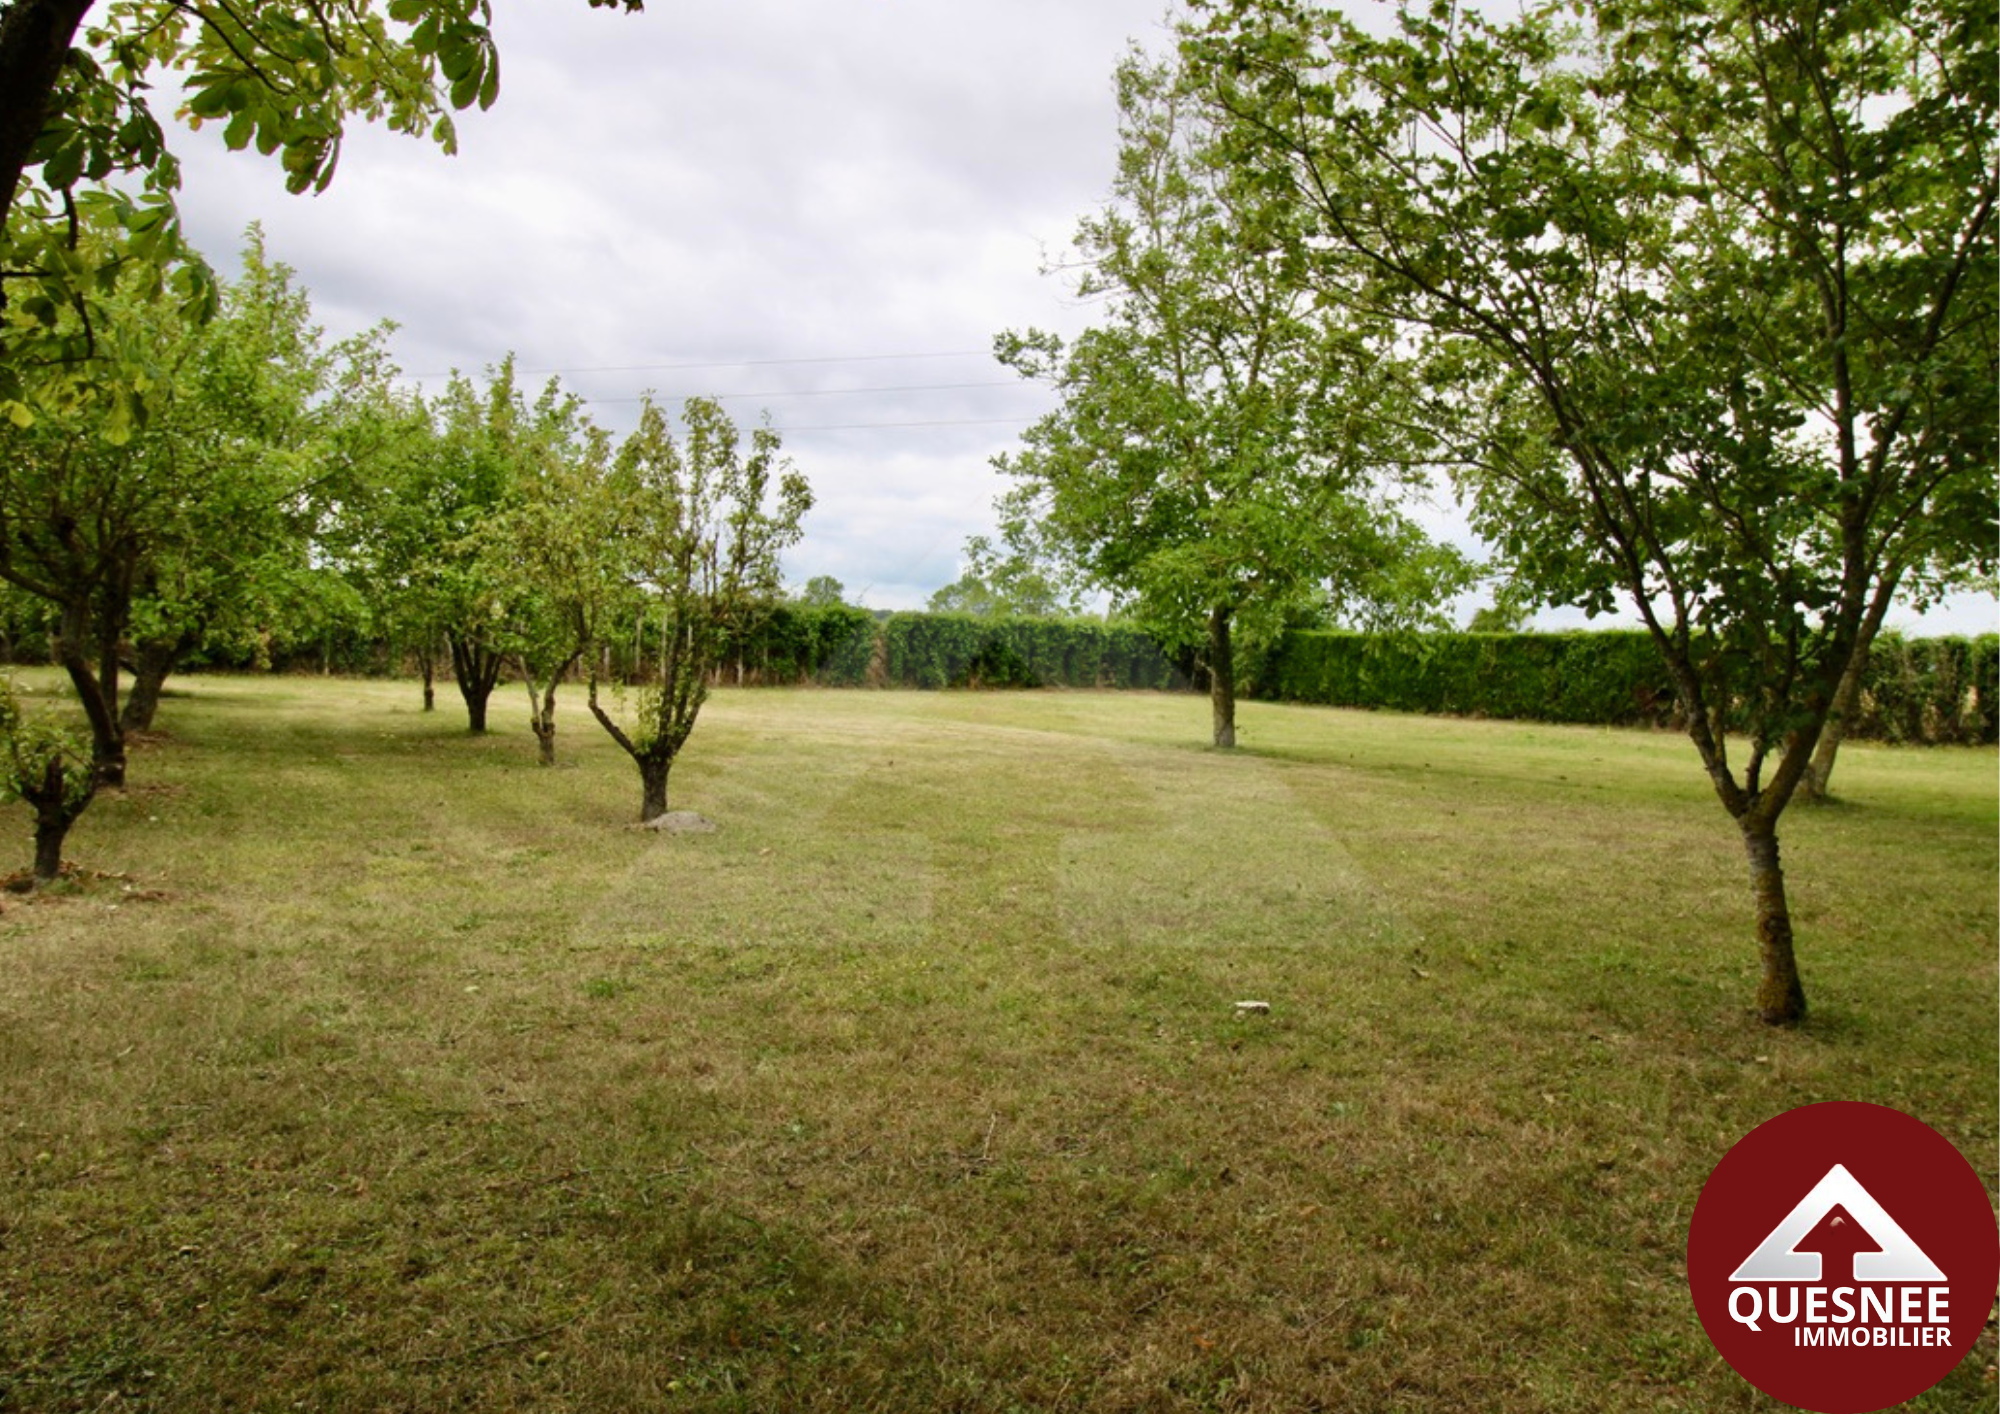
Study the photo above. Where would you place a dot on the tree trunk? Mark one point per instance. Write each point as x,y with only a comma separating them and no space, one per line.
35,38
1817,783
476,667
1222,677
542,704
427,665
653,777
1781,997
107,738
155,663
55,812
49,836
542,722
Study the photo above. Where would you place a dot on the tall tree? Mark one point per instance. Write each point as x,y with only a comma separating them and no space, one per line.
702,529
1221,453
378,537
1718,283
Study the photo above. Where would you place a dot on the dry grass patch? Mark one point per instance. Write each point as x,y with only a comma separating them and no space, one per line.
920,1085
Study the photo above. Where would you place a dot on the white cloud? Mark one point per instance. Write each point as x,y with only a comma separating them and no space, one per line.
753,180
748,180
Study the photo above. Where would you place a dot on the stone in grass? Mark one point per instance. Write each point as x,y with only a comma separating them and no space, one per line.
1253,1008
681,822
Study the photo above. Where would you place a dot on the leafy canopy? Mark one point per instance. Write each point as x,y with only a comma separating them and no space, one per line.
82,149
1225,443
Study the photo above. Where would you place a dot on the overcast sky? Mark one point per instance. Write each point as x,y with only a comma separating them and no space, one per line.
823,210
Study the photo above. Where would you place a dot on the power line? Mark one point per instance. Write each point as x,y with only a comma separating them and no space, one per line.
832,392
737,363
874,426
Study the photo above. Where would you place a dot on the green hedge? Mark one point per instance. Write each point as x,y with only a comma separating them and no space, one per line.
966,650
1555,677
830,644
1929,690
840,646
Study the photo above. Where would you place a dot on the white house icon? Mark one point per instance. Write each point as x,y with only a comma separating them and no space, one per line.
1776,1257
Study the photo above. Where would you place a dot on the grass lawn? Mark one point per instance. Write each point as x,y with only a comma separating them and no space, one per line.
381,1070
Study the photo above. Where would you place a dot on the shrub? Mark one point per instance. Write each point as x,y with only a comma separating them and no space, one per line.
1920,690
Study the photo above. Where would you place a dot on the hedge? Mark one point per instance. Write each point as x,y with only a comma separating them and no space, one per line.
966,650
1927,690
1931,690
840,646
829,644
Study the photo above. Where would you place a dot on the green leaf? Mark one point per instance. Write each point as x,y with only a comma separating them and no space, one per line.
62,170
211,100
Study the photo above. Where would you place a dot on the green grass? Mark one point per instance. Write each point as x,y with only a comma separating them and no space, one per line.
386,1071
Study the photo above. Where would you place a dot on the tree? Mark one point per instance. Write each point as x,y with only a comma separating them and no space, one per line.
1496,618
84,508
701,530
1009,583
823,591
547,555
49,767
143,537
259,411
78,137
380,538
1708,293
444,471
1222,452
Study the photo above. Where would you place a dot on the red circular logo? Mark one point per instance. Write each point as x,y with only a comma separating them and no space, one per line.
1843,1257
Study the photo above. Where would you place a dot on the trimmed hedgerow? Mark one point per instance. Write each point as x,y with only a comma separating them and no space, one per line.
798,643
1928,690
1557,677
1931,690
961,650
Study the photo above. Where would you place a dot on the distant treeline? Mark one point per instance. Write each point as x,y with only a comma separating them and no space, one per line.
1932,690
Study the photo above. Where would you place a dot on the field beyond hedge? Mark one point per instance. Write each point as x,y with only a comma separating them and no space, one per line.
373,1068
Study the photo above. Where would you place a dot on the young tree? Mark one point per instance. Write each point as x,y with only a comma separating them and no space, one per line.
702,527
49,767
547,558
1223,451
1719,283
444,472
